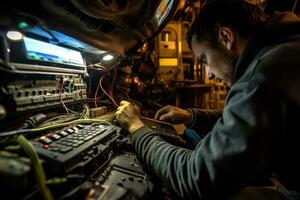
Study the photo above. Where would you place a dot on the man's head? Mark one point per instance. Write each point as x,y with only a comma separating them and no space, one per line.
220,33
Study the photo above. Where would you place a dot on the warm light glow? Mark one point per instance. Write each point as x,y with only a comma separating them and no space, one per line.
136,79
168,62
107,57
43,137
14,35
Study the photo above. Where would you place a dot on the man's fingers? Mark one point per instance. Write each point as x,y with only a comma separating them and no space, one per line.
162,111
166,117
122,103
117,113
122,106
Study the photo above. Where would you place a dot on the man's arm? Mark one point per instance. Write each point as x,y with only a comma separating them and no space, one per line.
240,147
203,120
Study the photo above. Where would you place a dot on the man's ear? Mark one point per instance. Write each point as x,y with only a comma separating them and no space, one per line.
226,37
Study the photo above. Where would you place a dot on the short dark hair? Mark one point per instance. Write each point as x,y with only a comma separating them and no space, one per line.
244,17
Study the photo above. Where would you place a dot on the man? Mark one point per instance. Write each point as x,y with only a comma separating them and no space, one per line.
257,134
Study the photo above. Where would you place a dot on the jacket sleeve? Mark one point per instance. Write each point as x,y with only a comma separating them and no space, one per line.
203,120
239,148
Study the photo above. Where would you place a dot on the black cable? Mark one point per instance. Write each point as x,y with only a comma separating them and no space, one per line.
33,121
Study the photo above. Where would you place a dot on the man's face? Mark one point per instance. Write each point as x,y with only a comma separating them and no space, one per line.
219,62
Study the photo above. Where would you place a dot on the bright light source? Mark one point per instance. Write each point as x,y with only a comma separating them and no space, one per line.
14,35
107,57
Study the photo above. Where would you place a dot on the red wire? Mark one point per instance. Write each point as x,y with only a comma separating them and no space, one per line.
96,93
111,98
113,83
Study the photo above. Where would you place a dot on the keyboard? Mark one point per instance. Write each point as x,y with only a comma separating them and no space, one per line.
75,146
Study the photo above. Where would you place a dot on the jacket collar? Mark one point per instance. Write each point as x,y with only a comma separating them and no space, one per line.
271,33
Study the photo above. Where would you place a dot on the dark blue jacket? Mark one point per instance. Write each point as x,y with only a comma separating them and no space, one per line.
257,134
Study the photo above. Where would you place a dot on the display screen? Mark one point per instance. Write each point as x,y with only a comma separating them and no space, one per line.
42,51
163,10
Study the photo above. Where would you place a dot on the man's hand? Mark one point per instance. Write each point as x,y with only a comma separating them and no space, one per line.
128,117
173,115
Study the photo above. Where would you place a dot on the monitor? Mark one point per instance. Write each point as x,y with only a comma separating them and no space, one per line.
42,51
40,56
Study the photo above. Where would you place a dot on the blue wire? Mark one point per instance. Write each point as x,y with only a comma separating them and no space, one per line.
15,132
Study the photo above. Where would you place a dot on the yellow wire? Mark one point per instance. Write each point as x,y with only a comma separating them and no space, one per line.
86,114
87,111
78,121
60,121
37,166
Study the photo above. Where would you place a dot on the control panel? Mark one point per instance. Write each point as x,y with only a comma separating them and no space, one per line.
76,148
28,95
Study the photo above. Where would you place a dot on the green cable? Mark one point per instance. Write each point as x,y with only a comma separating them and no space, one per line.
78,121
38,169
